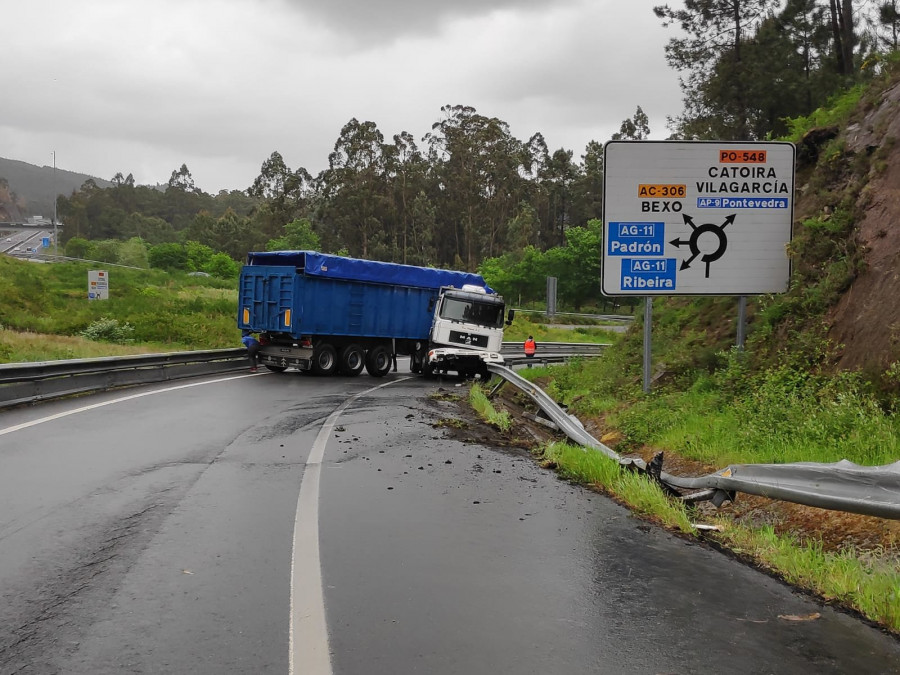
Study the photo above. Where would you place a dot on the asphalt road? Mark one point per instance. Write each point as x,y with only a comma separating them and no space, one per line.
178,529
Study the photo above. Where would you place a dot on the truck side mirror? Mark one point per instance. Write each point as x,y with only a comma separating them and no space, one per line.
512,315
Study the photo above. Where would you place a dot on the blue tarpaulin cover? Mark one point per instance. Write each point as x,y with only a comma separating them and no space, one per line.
353,269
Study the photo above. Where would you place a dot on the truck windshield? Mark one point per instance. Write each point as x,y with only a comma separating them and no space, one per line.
470,311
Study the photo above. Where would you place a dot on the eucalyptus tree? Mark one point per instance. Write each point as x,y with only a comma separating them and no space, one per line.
181,179
183,198
405,173
635,129
550,179
284,194
587,187
476,168
422,232
355,194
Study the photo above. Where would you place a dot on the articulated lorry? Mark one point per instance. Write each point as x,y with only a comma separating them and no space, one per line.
330,314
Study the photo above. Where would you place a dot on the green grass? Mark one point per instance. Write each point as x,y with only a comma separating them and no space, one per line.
785,413
167,311
837,111
871,586
479,401
779,415
524,325
590,467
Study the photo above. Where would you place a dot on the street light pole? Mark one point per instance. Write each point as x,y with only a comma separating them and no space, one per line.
55,207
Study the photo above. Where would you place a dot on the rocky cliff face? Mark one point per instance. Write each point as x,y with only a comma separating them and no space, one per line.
865,323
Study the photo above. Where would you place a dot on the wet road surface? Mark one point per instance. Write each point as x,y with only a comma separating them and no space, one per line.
156,535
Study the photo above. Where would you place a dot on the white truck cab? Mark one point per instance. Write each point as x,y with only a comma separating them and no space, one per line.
466,331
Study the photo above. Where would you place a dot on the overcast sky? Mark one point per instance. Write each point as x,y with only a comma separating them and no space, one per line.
143,86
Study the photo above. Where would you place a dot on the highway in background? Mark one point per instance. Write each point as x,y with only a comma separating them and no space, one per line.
178,529
17,243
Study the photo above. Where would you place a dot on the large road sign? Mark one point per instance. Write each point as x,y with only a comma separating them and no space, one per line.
697,218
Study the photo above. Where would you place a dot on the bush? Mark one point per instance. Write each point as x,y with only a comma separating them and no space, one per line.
109,330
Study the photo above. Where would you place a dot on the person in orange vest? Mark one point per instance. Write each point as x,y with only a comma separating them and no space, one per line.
530,348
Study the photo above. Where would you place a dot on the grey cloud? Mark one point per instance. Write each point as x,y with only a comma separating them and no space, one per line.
382,21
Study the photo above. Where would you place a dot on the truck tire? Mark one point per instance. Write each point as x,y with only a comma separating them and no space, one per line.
428,371
378,361
324,360
352,360
415,362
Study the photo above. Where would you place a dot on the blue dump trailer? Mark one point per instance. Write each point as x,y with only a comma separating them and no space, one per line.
330,314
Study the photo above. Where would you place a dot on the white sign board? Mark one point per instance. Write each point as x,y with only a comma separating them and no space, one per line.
697,218
98,285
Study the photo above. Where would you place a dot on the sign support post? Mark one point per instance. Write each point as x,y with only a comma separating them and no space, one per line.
742,322
648,320
689,218
551,296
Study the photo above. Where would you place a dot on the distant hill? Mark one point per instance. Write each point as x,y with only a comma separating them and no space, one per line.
34,188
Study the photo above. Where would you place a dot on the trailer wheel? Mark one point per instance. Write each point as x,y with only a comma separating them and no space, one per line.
378,361
324,360
352,360
415,362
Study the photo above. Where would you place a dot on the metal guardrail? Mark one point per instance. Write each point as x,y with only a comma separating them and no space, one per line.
841,486
22,383
550,352
597,317
556,348
31,382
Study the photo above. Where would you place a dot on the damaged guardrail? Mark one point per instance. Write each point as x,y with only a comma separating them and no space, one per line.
32,382
839,486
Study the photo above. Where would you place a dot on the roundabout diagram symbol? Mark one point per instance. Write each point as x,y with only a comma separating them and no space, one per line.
709,254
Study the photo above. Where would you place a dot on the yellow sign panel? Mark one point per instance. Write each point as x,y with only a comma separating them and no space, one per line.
662,191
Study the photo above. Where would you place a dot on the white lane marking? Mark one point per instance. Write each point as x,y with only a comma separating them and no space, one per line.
308,631
74,411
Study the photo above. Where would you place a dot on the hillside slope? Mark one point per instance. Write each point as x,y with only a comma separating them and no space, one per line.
865,323
36,187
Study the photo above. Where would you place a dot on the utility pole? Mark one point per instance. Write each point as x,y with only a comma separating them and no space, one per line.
55,206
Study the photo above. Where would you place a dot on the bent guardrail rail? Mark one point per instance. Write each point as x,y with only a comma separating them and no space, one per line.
839,486
32,382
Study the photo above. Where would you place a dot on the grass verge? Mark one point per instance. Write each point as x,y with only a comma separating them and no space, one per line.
479,401
44,310
867,585
871,587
